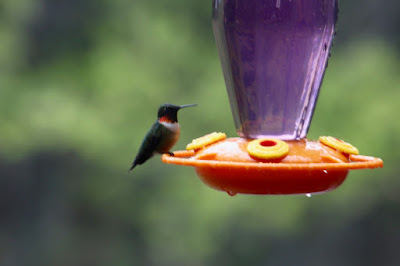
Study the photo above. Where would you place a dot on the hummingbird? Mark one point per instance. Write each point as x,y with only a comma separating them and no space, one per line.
163,135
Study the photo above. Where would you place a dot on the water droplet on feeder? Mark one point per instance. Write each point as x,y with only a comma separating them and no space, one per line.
326,172
308,195
231,193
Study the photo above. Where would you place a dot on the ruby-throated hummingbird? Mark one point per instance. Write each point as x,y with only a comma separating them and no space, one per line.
163,135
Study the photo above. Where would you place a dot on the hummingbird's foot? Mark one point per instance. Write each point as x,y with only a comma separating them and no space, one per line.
171,154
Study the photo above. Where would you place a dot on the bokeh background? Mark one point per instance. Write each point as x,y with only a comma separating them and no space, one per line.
80,83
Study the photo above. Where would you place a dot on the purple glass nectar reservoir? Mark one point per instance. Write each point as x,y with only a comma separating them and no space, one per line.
273,55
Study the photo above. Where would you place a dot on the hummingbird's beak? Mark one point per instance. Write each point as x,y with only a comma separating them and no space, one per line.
187,105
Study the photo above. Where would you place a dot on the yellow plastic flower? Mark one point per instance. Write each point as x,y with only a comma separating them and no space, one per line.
201,142
338,144
267,148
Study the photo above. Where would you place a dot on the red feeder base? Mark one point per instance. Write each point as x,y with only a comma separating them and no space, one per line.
309,167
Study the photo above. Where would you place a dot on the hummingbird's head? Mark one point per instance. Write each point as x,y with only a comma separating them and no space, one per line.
169,112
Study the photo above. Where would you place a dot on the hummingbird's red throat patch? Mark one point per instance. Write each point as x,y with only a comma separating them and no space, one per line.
165,119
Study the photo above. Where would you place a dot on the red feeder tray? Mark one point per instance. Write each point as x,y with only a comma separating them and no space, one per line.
308,167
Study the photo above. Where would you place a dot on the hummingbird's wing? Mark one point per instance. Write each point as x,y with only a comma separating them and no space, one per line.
149,144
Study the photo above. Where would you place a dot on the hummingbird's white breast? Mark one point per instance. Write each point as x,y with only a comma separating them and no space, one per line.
174,127
170,136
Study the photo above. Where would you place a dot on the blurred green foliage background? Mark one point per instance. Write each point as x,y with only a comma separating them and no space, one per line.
80,83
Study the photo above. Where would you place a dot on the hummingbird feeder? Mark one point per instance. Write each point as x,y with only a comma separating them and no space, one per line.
273,54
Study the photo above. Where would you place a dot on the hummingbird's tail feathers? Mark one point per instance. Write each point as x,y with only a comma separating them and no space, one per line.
133,166
135,162
140,159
